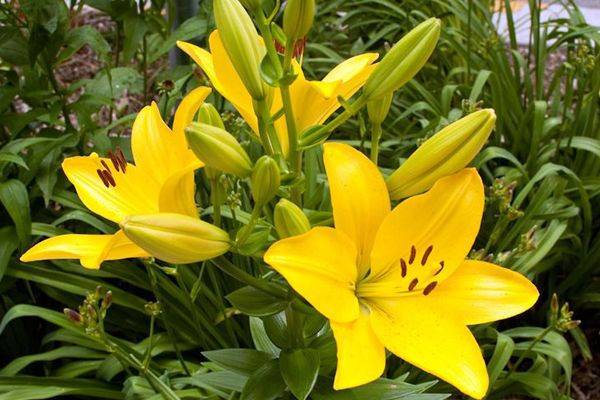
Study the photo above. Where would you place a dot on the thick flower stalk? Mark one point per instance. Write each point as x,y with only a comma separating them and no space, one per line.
399,279
312,101
161,180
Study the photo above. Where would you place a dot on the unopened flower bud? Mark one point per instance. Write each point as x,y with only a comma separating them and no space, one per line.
107,300
298,18
404,60
218,149
176,238
73,315
241,42
265,180
289,219
378,109
208,114
445,153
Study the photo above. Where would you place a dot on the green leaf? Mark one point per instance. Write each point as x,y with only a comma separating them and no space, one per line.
12,158
84,35
300,369
13,46
18,364
30,387
241,361
8,244
269,72
265,383
14,197
135,27
255,302
502,353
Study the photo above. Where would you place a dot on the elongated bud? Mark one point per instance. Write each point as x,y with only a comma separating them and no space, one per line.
73,315
208,114
298,18
265,180
218,149
445,153
404,60
289,219
241,42
176,238
378,109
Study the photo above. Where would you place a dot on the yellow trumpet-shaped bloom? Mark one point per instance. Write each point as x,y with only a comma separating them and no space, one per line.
312,101
398,279
161,180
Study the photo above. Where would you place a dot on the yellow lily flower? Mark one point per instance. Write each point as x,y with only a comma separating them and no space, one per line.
312,101
162,180
398,279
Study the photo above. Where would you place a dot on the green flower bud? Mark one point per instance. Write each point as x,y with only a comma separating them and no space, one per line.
218,149
208,114
404,60
379,108
241,42
445,153
289,219
298,18
265,180
176,238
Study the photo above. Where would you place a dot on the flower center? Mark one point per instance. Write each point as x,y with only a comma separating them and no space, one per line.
410,275
119,163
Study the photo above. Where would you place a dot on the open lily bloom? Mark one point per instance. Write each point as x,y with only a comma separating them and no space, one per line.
162,180
398,279
312,101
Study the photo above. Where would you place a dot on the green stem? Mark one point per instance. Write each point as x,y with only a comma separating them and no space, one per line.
295,157
249,226
350,110
151,344
232,270
375,137
216,201
537,339
153,284
264,120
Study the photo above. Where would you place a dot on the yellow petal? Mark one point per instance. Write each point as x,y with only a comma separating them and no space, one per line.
360,355
183,116
177,194
431,340
479,292
320,265
91,250
428,236
315,101
155,148
358,195
134,192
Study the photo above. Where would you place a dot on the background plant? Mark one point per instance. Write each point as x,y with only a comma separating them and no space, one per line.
158,336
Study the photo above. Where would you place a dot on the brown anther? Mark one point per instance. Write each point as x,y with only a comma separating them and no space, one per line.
122,160
429,288
413,283
109,178
101,175
426,255
413,254
113,159
441,268
403,267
